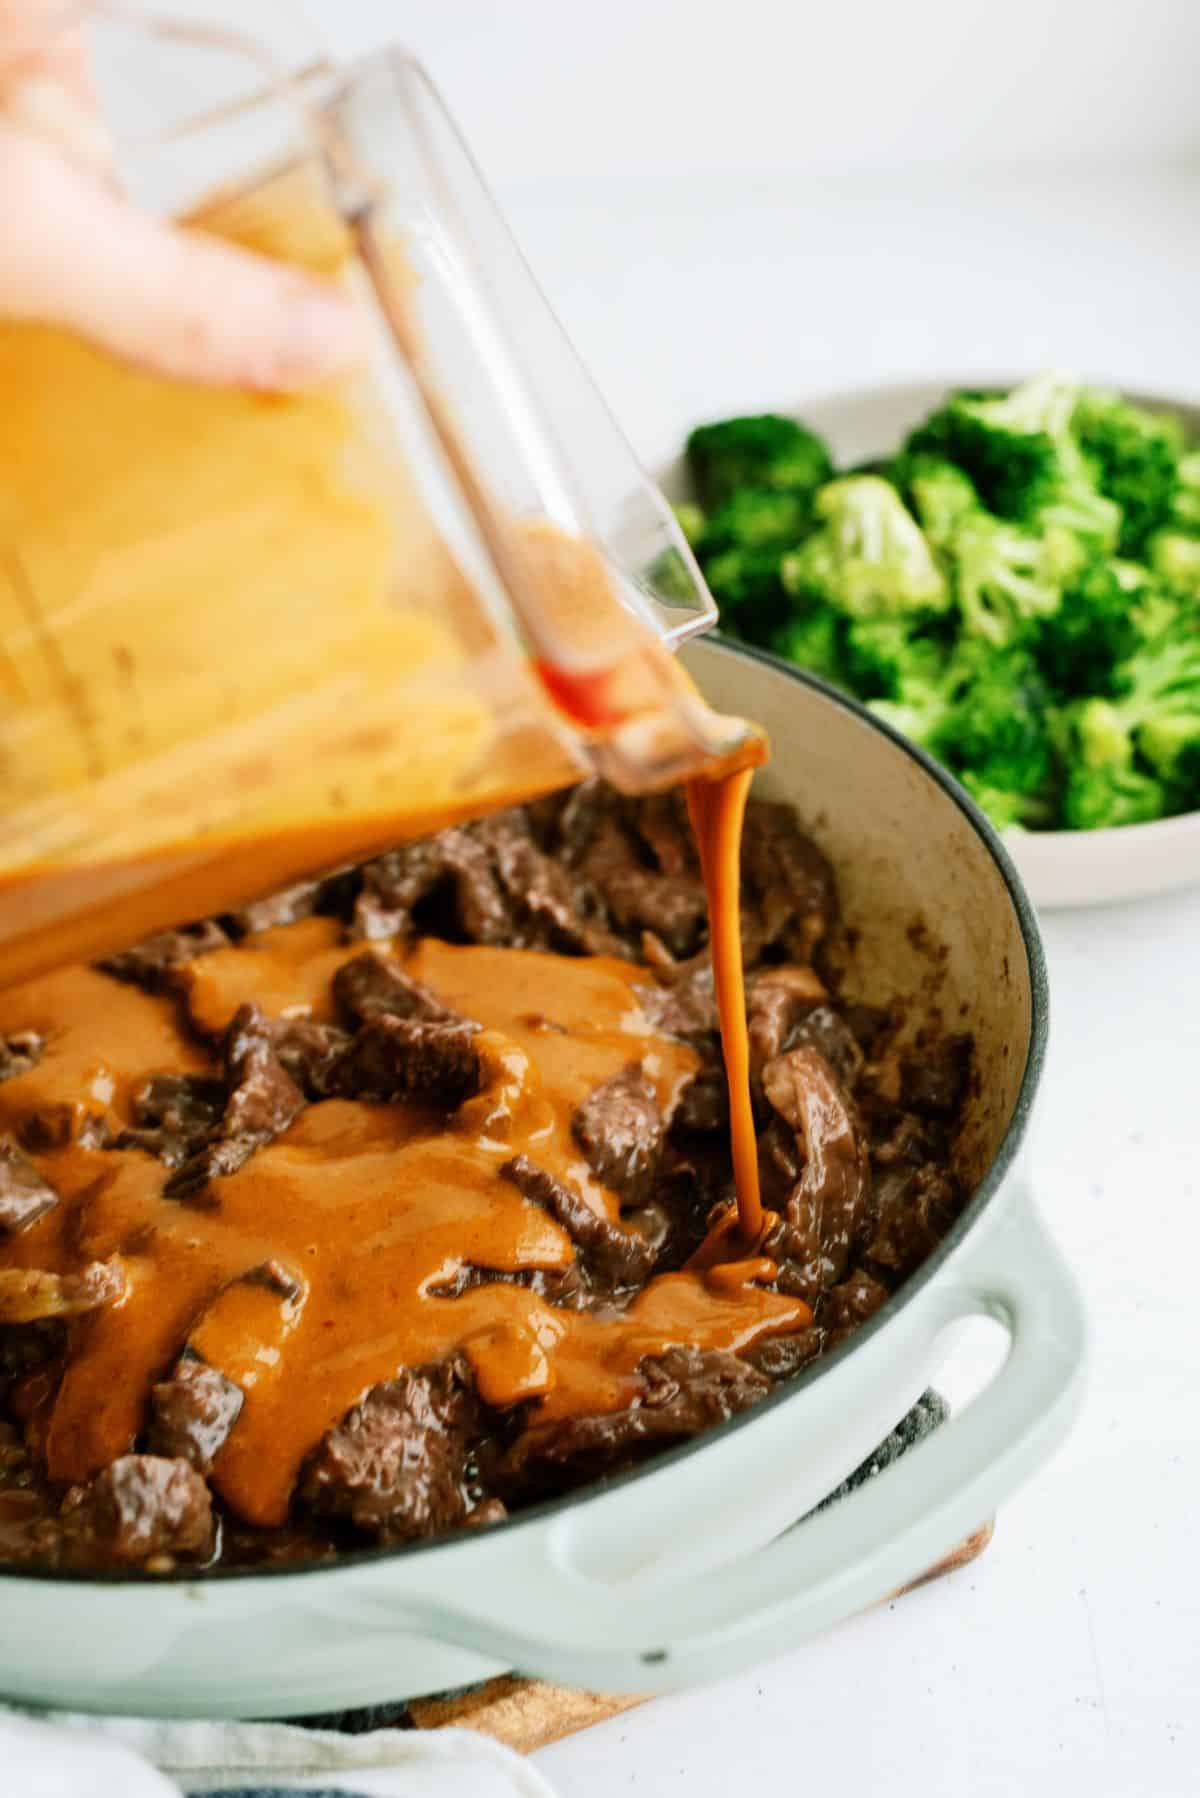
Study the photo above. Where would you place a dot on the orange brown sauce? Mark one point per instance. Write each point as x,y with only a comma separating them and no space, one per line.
370,1208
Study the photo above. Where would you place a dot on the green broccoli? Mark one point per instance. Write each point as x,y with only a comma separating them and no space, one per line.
745,584
1017,449
1007,580
1007,811
881,653
760,451
1135,457
813,640
756,518
1175,559
940,495
1079,644
867,558
1185,504
1102,798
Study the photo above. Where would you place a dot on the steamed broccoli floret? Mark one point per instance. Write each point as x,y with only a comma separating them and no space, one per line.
1102,798
745,584
881,653
1017,449
1176,560
1185,503
1007,811
756,518
1171,745
760,451
1093,628
997,725
1007,580
1135,456
868,557
940,495
813,640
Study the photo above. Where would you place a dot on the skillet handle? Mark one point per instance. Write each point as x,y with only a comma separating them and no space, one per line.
533,1609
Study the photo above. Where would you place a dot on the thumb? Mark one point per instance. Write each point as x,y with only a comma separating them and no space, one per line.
73,253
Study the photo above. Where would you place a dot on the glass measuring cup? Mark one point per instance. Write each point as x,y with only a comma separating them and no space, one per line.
248,637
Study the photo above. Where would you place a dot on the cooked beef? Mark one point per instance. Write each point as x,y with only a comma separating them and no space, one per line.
374,985
786,881
309,1052
19,1053
192,1413
409,1058
913,1209
263,1099
620,1129
259,1102
684,1391
396,1466
850,1304
825,1031
24,1194
175,1115
779,1357
856,1120
29,1294
141,1510
671,905
823,1212
562,1286
153,964
615,1256
300,900
933,1080
778,1000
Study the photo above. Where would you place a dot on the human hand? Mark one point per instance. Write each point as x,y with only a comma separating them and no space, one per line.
75,253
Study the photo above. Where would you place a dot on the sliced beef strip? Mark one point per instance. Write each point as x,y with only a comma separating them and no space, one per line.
303,899
24,1194
450,877
392,885
397,1465
554,908
262,1097
409,1058
910,1141
309,1052
19,1053
825,1030
777,1002
687,1009
933,1080
617,1257
849,1304
779,1357
562,1286
912,1208
824,1212
671,905
684,1392
374,985
786,881
661,821
28,1295
174,1116
26,1347
138,1510
192,1413
152,964
620,1129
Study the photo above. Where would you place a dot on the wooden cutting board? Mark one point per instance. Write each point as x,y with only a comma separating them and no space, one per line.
529,1713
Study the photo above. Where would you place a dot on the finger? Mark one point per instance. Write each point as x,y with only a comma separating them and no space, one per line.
73,254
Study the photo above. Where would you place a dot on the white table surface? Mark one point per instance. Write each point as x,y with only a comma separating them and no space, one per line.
1068,1657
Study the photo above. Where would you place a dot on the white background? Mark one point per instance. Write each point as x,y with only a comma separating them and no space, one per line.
893,190
734,206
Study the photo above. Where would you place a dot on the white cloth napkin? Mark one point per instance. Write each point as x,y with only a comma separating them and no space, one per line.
62,1754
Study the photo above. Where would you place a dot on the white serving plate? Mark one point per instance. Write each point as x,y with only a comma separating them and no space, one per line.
1059,867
